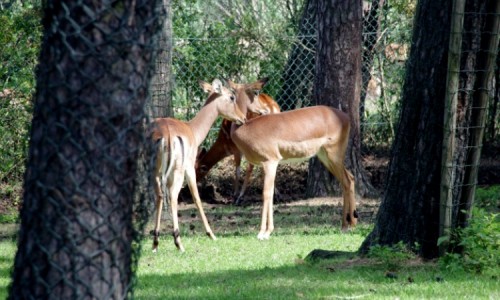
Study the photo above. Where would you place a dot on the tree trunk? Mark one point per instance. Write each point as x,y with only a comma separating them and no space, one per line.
161,85
92,83
409,211
338,83
494,113
296,88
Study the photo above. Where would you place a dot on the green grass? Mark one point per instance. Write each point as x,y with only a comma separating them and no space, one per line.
241,267
7,253
238,266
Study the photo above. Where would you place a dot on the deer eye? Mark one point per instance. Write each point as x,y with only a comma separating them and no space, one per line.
231,97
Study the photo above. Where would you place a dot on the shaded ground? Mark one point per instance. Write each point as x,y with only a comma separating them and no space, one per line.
291,179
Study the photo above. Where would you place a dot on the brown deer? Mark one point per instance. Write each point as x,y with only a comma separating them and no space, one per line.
224,146
177,144
298,134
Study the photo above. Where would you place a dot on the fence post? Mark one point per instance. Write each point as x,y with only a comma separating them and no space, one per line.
447,172
480,106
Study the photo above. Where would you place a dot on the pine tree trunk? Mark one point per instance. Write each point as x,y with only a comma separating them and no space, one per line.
338,84
161,85
92,83
409,211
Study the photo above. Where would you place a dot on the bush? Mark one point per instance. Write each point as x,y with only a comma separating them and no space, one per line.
487,198
477,246
20,36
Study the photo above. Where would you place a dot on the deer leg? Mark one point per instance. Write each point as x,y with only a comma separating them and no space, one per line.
237,175
159,188
191,181
335,164
159,207
267,222
246,181
174,189
349,193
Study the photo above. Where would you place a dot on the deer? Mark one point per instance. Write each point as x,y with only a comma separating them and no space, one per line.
224,146
320,131
176,144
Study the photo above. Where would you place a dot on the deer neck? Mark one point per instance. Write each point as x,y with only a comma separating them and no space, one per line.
203,121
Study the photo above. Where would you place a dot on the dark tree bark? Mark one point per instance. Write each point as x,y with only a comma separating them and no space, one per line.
410,206
296,90
409,211
92,83
494,113
161,85
338,84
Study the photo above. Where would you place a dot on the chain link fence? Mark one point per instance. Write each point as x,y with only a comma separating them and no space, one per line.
472,65
282,47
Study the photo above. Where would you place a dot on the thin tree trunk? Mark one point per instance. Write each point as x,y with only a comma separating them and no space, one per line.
92,83
161,85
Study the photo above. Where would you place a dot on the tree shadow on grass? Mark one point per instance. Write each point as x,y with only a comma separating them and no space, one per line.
227,220
301,281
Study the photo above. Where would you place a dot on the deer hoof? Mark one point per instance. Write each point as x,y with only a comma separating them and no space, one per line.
212,236
263,236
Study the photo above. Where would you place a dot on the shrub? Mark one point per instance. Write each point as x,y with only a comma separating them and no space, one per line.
477,246
487,198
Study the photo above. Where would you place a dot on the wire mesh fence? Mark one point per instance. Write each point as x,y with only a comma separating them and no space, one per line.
473,50
282,47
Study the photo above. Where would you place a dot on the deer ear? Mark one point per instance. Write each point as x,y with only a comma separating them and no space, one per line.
231,84
257,86
205,86
217,86
264,81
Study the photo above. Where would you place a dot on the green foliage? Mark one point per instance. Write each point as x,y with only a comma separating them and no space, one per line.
20,39
227,39
9,218
241,44
15,117
392,257
477,246
389,67
488,198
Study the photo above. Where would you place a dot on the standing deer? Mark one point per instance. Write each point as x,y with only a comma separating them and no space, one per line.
224,146
298,134
176,148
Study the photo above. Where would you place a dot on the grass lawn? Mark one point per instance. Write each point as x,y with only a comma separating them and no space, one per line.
238,266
